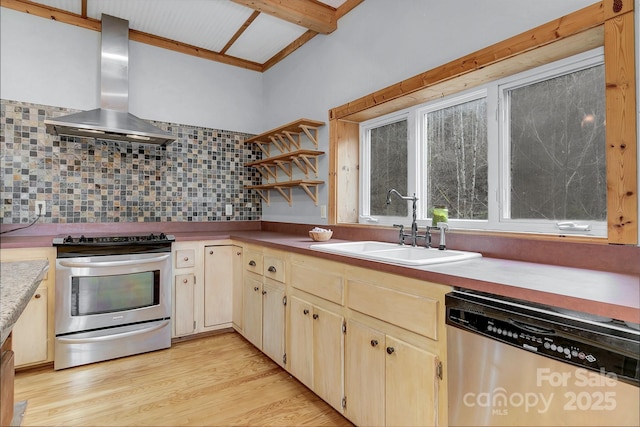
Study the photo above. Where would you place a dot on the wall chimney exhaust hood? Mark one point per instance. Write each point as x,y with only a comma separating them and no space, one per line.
112,121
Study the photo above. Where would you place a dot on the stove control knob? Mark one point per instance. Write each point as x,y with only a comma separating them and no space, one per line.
163,236
82,239
151,237
67,239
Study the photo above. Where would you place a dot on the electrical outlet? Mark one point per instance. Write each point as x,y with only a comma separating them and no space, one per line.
323,211
228,210
41,207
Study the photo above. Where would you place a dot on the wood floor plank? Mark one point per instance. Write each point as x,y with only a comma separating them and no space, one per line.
219,380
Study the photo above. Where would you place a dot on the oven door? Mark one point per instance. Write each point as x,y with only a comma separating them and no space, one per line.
107,291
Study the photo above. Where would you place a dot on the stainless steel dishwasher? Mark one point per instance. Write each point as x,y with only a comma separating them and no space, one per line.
514,363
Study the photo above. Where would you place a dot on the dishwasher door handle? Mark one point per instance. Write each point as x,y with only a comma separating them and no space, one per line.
531,328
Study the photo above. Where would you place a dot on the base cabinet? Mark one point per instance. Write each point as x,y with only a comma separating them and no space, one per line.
264,314
206,273
30,342
7,374
273,313
316,349
388,381
33,333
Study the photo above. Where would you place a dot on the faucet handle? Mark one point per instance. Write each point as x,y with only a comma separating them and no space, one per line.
401,235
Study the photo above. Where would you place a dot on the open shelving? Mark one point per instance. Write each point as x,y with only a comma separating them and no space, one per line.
290,155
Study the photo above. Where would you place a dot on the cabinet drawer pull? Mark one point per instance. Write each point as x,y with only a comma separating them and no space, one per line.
256,289
185,281
252,263
210,252
238,253
374,343
315,316
186,259
264,292
36,296
390,350
271,269
305,311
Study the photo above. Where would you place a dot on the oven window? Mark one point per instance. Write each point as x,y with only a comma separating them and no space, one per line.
109,294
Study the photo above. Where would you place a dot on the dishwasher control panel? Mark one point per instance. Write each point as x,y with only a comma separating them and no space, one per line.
544,337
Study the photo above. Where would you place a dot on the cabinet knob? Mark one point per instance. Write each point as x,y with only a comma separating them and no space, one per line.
210,252
390,350
36,296
374,343
256,289
305,311
185,281
264,292
186,258
238,253
315,316
271,269
252,263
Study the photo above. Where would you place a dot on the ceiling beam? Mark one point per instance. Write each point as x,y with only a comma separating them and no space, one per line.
60,15
311,14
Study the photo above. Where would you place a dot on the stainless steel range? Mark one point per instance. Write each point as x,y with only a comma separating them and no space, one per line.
113,297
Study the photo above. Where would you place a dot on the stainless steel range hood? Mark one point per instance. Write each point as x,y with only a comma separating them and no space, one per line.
112,121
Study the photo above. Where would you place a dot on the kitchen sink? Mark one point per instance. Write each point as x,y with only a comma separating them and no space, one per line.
394,253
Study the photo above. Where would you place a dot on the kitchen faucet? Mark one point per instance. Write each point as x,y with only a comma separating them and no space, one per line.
414,225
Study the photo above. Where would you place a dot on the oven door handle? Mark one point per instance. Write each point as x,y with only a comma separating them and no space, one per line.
65,340
72,264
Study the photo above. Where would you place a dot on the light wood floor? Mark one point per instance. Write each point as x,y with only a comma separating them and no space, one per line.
220,380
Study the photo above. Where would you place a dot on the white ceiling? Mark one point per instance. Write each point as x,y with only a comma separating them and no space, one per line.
206,24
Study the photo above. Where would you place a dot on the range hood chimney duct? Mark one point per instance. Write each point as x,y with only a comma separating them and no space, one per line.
112,121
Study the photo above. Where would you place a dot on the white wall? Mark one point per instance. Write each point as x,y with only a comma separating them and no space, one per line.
51,63
377,44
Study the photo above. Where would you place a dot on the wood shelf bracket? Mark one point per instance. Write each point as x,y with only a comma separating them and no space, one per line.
312,133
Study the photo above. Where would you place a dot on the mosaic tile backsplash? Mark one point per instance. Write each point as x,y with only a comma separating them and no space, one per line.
84,180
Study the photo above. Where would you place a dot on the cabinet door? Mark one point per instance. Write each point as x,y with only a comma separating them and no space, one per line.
300,356
30,331
411,385
273,321
218,284
238,268
253,311
328,348
364,375
184,309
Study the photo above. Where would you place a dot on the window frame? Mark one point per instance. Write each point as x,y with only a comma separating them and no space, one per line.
498,158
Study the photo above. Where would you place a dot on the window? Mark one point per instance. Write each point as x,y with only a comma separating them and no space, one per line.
526,153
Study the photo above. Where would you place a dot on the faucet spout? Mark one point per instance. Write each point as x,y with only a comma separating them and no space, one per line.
414,224
443,226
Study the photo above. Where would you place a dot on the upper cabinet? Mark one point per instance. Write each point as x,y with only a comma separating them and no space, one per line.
288,160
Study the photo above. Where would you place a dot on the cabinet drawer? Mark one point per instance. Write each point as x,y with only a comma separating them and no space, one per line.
274,268
253,261
319,283
185,258
414,313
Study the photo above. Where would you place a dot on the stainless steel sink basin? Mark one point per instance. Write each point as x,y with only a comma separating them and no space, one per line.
394,253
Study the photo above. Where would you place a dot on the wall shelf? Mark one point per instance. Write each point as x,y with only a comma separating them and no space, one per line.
288,142
285,189
287,138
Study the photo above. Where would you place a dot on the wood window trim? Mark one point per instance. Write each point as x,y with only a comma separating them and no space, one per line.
608,23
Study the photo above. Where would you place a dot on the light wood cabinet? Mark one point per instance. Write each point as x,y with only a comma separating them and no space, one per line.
388,381
7,375
221,266
206,274
264,303
273,318
316,350
184,322
370,343
32,323
33,333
